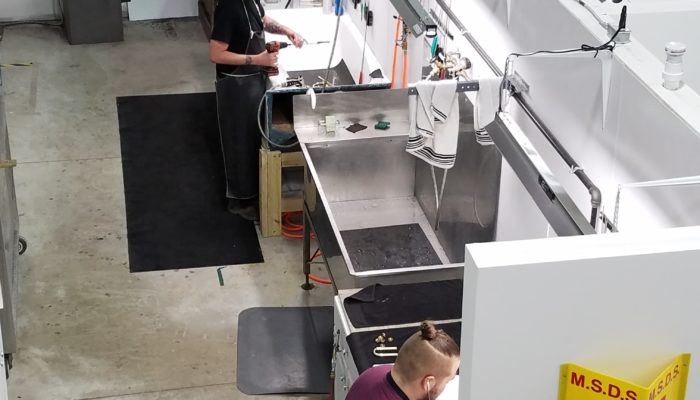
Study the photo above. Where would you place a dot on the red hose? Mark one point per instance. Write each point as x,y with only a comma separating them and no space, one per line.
320,280
314,277
396,47
289,235
405,68
289,225
289,229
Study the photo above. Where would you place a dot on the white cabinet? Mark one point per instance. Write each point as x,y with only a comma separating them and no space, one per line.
160,9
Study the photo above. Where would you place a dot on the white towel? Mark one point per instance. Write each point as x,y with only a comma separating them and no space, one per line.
434,125
486,107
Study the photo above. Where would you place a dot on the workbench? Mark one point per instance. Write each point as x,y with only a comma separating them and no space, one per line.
310,64
274,159
372,205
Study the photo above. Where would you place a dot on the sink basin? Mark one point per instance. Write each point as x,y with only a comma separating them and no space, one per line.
373,208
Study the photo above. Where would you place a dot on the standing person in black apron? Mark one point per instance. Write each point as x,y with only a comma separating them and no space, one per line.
237,46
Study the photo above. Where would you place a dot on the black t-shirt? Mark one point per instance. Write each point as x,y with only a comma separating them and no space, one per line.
231,26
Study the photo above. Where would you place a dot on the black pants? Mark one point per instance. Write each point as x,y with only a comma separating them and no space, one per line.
237,101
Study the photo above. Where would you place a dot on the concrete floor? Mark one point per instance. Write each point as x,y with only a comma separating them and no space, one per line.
87,328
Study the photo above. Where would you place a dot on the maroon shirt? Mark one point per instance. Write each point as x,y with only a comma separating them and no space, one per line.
376,384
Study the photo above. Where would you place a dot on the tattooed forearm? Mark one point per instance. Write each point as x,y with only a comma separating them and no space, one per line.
272,26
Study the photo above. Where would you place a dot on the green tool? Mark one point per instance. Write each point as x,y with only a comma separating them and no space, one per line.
220,275
28,64
383,125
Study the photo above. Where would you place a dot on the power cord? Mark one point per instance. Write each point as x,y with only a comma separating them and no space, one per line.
585,48
262,131
609,45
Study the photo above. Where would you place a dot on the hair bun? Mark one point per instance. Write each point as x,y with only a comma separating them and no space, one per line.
428,331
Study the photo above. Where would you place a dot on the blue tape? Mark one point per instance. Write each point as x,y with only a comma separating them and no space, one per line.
339,7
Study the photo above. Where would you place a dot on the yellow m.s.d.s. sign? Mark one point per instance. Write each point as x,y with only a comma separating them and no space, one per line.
579,383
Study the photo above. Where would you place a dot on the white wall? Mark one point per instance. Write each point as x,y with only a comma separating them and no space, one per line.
315,26
380,38
640,137
622,304
516,205
28,9
655,29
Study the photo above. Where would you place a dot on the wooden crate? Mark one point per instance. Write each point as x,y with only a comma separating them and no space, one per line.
272,204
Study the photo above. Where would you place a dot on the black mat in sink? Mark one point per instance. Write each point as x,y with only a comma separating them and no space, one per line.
285,350
389,247
174,186
379,305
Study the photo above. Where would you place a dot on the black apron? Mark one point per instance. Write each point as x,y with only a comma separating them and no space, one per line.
238,96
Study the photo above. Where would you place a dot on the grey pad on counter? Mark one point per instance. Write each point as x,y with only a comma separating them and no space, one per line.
285,350
354,128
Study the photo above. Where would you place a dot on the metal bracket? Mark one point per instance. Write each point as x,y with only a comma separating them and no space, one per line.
623,37
416,17
517,84
469,86
8,163
331,125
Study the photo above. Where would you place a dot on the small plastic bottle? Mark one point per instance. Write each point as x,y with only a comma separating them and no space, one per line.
673,71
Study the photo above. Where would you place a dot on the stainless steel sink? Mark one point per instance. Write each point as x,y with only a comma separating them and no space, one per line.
373,206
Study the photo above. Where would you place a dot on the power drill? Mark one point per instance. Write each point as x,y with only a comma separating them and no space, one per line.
273,47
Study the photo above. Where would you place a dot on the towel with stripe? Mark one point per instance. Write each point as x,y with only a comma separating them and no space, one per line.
485,108
434,123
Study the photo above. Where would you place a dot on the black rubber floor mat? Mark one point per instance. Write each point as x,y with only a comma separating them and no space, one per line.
285,350
174,186
389,247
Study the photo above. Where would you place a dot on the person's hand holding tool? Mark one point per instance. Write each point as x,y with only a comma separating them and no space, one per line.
266,58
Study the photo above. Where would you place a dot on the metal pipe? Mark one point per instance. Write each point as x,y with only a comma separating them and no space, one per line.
463,30
335,42
594,217
593,190
306,253
593,13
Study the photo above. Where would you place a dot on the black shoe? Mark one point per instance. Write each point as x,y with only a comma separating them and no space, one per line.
235,206
250,213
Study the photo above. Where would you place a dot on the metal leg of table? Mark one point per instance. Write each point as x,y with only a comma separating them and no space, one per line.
306,253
